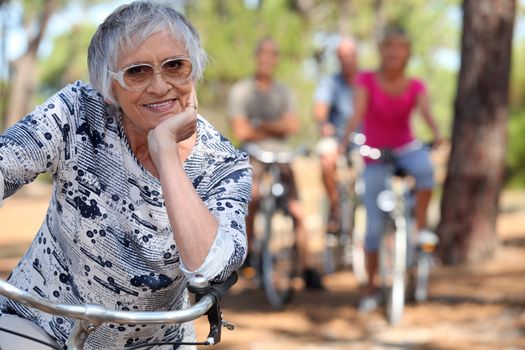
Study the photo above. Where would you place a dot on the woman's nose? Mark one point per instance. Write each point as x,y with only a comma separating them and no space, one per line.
159,85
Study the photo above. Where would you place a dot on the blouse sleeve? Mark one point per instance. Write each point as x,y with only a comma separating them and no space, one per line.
228,201
34,144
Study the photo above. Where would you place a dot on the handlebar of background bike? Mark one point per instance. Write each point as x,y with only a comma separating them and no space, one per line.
358,140
268,157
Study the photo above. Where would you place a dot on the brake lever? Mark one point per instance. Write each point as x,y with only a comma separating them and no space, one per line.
200,286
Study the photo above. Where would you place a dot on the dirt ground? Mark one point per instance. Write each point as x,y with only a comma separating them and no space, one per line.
470,307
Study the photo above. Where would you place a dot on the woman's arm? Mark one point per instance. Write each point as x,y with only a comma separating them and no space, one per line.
210,234
36,143
198,227
423,103
194,227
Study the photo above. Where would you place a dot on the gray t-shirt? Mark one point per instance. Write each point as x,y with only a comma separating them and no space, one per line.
257,106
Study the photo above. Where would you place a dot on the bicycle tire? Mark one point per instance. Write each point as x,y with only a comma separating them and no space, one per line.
422,276
358,245
279,257
393,268
338,245
330,253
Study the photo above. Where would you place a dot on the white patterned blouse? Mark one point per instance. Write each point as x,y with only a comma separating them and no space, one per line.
106,237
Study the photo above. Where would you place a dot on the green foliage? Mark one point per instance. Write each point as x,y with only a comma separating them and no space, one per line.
230,31
67,61
516,149
516,127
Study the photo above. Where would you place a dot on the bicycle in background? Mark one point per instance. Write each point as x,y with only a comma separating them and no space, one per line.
405,256
344,247
275,253
90,316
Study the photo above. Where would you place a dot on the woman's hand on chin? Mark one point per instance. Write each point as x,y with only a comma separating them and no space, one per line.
163,139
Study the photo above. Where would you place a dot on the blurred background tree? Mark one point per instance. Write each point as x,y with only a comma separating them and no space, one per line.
475,170
22,79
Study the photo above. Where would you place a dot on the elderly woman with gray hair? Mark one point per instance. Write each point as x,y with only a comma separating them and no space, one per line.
146,193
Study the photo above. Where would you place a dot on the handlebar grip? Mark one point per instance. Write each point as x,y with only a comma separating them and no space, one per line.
218,290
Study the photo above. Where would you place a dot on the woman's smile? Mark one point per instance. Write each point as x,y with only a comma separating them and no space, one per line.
162,106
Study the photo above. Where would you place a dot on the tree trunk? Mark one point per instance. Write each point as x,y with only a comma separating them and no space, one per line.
23,82
475,170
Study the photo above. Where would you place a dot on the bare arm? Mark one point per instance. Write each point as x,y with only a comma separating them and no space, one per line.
360,103
288,124
245,131
423,103
194,227
321,110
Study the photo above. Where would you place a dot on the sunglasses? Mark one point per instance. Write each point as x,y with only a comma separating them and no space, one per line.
137,77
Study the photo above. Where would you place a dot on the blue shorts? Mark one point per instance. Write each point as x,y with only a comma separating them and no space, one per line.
416,163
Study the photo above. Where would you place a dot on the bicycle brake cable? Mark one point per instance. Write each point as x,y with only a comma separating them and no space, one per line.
130,348
29,338
174,344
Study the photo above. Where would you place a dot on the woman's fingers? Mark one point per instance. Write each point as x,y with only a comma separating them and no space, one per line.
192,100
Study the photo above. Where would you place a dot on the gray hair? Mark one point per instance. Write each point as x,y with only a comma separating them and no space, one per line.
126,28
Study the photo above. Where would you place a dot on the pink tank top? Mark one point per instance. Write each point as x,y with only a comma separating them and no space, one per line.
386,122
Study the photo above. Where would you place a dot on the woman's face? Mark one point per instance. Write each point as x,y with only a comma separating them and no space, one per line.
395,52
147,108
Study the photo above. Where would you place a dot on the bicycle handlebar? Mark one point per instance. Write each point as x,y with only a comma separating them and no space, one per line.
269,157
99,314
90,316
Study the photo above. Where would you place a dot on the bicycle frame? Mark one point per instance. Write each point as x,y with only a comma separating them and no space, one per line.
345,247
90,316
275,248
395,203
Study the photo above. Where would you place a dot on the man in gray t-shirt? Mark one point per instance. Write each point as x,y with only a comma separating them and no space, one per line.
261,111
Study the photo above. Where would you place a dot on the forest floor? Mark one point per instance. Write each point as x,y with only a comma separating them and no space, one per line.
479,306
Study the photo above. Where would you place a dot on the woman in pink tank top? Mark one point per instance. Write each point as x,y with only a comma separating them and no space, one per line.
383,104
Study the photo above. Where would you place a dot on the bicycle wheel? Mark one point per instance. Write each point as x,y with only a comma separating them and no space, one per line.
358,245
279,257
392,257
338,249
422,274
